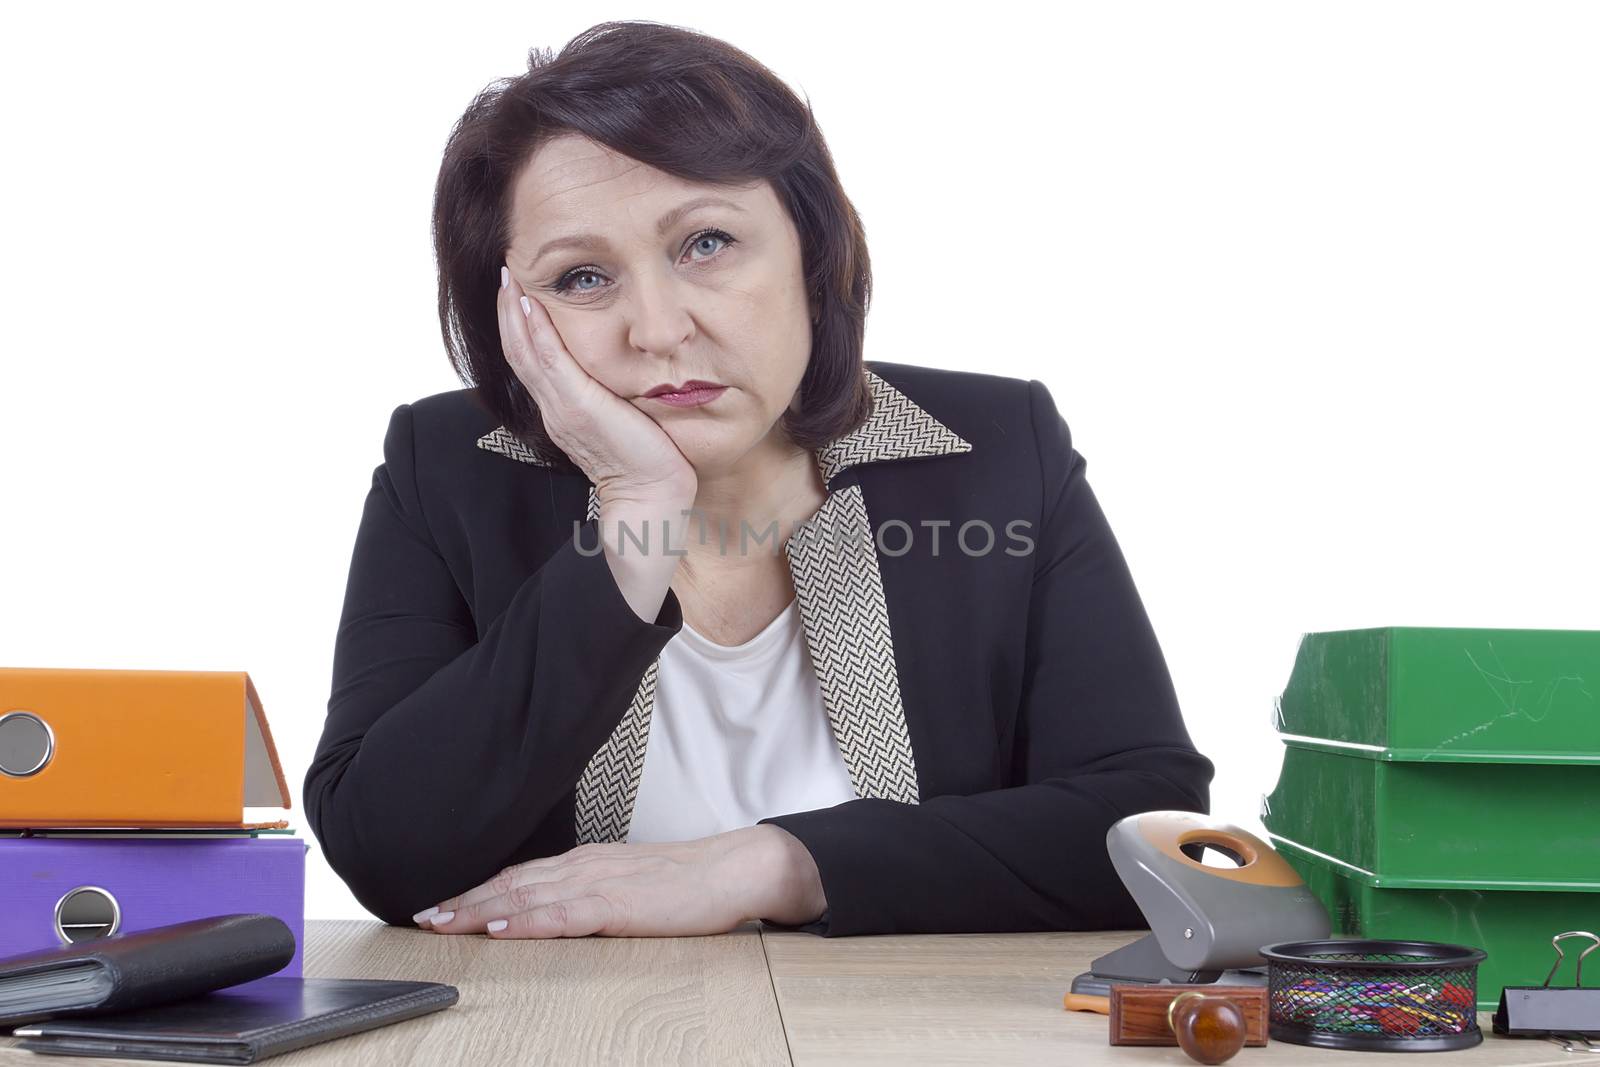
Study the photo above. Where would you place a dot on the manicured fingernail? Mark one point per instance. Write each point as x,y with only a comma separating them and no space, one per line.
443,917
497,925
505,277
527,309
423,914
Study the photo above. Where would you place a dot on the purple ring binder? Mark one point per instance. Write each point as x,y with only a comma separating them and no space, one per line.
155,882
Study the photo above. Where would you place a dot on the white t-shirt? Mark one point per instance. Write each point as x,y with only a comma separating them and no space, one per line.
737,733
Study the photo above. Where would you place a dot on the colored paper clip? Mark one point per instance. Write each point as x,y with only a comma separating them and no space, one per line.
1569,1016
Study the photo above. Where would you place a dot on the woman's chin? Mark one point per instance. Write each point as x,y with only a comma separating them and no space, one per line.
708,457
706,463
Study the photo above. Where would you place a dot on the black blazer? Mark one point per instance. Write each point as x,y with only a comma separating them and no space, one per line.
998,709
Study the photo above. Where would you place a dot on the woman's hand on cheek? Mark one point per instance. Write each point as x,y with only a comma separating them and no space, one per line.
622,450
676,889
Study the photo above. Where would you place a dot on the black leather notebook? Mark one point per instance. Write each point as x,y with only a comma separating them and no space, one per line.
242,1024
142,968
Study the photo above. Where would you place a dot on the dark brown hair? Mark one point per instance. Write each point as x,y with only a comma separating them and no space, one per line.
684,103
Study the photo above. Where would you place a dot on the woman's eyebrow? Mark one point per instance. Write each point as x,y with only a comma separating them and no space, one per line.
586,241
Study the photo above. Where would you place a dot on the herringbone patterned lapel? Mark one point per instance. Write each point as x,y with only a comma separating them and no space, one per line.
834,564
897,429
610,783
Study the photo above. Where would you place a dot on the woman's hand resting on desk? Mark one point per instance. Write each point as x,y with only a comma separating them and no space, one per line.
674,889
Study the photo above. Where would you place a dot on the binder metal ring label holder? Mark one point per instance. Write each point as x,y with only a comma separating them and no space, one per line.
27,744
86,913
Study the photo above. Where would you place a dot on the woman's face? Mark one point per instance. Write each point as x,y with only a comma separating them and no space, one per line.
667,281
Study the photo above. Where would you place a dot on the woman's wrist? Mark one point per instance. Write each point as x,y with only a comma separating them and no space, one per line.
783,884
641,556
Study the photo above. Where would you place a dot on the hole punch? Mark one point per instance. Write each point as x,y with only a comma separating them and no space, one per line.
1211,894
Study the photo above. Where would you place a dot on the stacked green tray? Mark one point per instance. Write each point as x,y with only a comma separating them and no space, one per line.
1477,825
1452,694
1444,784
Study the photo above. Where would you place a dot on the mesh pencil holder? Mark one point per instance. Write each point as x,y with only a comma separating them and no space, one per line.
1387,996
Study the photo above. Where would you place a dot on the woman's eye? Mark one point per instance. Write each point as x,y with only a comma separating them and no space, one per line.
565,284
710,235
568,282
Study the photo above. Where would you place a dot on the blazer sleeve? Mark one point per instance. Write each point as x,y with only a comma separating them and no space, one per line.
441,752
1099,736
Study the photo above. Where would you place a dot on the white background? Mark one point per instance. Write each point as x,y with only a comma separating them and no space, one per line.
1314,285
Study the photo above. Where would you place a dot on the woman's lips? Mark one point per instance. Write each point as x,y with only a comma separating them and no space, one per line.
690,397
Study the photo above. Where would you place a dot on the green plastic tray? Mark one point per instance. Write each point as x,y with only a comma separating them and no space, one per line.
1477,825
1448,694
1513,926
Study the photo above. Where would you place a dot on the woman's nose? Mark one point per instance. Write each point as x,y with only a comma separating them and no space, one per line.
660,320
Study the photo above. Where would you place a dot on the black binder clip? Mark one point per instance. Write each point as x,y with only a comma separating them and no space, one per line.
1568,1016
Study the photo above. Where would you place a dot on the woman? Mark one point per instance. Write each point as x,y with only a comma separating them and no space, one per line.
842,646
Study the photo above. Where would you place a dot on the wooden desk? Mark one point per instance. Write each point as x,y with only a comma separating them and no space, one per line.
753,998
